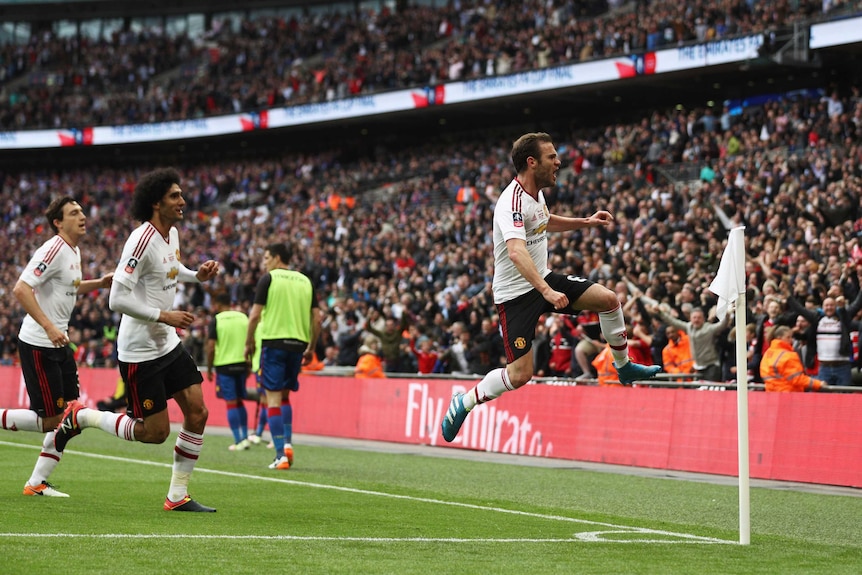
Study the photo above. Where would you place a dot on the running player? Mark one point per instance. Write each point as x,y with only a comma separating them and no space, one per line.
47,290
153,362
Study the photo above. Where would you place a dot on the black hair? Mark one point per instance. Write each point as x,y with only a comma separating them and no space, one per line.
151,188
55,210
280,250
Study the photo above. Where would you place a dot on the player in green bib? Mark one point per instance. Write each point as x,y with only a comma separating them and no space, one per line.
285,307
226,356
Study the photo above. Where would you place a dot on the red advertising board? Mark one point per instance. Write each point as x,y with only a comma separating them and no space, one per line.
793,436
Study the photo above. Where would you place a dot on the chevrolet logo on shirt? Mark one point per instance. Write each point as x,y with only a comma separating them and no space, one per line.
172,275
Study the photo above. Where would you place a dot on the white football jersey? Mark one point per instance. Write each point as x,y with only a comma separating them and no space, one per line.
54,273
518,215
149,267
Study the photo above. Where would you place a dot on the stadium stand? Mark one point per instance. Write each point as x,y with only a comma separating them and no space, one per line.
787,167
242,65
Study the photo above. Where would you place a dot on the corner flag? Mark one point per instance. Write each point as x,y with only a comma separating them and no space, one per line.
729,282
729,286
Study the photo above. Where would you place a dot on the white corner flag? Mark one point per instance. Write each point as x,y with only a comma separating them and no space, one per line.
729,286
729,282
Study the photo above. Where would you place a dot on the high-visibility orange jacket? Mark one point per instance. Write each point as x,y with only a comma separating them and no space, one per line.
676,357
781,369
604,364
314,365
467,195
369,365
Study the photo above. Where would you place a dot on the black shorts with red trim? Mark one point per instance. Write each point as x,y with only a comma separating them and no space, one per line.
519,316
149,384
51,377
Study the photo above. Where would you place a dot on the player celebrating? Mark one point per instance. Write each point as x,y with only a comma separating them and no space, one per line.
524,288
47,290
153,362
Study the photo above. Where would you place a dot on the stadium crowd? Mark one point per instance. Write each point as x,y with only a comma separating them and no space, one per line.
410,264
242,66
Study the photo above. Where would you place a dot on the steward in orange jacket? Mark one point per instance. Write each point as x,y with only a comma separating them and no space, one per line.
676,355
604,364
370,363
781,368
314,365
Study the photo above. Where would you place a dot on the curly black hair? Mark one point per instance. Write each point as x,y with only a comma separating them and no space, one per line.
151,188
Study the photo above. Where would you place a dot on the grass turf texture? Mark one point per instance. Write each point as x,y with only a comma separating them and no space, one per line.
361,512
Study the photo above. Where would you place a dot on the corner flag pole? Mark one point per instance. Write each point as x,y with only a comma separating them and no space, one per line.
729,285
742,423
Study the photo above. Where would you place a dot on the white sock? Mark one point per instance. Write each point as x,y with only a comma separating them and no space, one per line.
493,385
20,420
118,424
186,453
48,460
614,329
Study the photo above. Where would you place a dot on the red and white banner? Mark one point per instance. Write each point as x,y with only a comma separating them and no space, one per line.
613,69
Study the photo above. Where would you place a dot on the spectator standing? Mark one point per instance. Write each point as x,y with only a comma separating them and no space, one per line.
703,338
426,355
227,362
829,338
370,364
286,308
774,316
524,288
728,360
676,355
153,362
391,342
589,332
800,342
781,368
640,340
562,341
459,356
491,342
47,290
604,366
348,341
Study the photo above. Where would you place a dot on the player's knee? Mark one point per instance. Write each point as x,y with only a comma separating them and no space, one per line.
609,300
153,434
197,416
519,377
161,436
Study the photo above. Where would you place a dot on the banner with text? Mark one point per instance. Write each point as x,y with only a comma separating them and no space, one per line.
794,436
561,77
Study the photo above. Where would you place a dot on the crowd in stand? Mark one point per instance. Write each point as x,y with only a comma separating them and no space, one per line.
407,275
150,76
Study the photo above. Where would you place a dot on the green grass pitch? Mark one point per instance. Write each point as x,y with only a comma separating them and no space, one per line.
359,511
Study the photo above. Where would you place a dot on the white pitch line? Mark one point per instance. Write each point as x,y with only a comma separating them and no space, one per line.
595,536
345,539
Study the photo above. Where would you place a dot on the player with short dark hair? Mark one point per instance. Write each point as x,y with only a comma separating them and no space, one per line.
286,309
47,290
524,288
226,363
